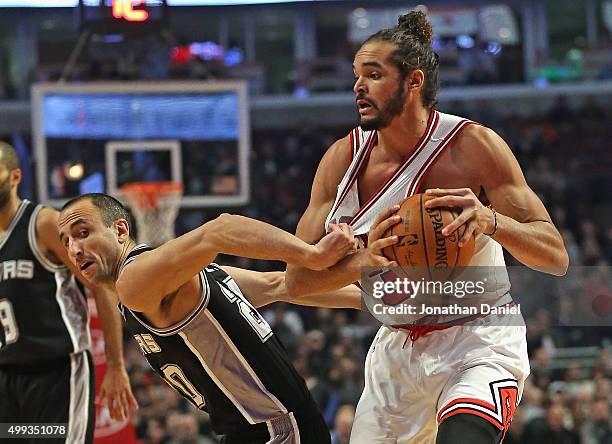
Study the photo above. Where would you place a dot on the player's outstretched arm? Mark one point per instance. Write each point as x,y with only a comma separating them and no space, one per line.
301,281
265,288
345,297
160,272
521,223
115,391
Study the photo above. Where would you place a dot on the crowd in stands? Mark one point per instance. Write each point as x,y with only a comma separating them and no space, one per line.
155,59
566,161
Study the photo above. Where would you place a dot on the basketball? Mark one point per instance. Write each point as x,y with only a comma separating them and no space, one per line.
422,250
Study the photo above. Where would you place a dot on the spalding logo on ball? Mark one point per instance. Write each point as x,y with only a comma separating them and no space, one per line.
423,252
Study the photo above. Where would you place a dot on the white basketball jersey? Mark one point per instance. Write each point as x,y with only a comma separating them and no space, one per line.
442,130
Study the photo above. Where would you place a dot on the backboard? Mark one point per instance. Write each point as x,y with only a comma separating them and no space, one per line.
196,133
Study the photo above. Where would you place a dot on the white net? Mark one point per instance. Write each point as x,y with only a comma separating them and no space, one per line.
155,206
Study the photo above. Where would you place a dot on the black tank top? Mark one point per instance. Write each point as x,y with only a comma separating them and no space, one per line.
224,358
42,311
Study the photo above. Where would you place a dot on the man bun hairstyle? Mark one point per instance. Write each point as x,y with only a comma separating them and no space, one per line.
416,24
412,39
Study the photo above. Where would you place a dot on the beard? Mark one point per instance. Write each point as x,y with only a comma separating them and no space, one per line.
5,191
390,110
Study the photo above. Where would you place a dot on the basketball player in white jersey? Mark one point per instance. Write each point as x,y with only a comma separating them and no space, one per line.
454,382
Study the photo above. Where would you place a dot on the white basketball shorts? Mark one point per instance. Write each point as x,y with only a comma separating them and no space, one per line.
477,368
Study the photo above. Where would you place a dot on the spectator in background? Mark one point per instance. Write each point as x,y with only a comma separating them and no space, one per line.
532,401
343,424
574,382
316,358
550,429
185,431
287,325
540,368
343,374
155,433
597,430
603,367
580,406
173,423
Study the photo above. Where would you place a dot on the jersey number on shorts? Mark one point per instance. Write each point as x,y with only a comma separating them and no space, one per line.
8,322
177,379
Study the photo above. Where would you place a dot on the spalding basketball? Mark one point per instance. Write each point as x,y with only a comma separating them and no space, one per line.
423,251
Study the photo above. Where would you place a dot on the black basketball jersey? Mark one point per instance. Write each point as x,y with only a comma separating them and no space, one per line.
42,311
224,358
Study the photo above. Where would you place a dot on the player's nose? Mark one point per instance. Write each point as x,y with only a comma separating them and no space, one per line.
359,86
74,248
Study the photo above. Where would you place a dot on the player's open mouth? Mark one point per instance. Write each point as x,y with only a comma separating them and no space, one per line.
85,265
364,106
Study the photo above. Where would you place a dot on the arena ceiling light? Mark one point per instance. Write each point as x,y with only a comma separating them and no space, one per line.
74,3
229,2
38,3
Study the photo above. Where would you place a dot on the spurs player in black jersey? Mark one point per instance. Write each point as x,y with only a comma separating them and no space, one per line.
46,370
196,322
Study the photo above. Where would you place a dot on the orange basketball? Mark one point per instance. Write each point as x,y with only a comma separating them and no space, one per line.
422,250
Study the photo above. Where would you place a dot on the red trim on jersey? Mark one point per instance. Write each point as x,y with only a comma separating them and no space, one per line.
428,164
366,159
352,144
432,125
353,176
355,172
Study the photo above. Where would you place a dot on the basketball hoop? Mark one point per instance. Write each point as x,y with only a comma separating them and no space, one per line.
155,206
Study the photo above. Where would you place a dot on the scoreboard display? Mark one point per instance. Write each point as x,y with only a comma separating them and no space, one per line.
113,16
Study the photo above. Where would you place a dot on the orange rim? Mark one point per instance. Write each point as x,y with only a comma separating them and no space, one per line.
146,194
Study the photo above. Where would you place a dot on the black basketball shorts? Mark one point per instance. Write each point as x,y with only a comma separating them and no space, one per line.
61,391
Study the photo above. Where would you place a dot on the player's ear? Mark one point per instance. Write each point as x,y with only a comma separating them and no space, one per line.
415,79
122,228
16,176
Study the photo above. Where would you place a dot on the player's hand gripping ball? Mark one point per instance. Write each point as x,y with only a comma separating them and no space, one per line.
422,250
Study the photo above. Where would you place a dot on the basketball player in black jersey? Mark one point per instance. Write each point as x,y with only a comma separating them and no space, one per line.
46,370
195,321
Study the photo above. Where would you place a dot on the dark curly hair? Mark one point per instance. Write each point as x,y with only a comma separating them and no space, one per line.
412,40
